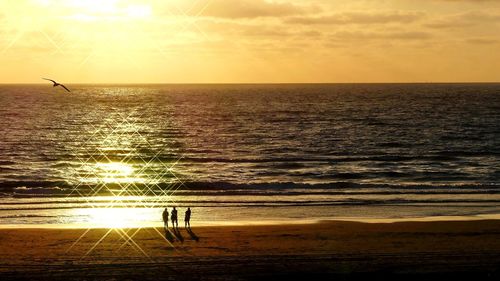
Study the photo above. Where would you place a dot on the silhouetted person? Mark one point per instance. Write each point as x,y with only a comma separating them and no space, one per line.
173,217
187,218
168,235
165,218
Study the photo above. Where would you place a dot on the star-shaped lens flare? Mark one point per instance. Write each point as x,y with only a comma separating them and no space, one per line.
119,173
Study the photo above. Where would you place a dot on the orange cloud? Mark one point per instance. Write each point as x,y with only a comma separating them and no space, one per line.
256,9
359,18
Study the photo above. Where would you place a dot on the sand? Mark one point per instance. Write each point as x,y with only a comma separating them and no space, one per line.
312,251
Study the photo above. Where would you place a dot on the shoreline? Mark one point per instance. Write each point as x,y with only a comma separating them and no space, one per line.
479,217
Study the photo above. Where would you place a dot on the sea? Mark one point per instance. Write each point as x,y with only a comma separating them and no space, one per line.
117,155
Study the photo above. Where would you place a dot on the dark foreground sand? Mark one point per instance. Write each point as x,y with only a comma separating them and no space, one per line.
326,251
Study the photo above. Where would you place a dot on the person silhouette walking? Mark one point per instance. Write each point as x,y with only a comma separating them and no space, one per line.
173,217
165,218
187,218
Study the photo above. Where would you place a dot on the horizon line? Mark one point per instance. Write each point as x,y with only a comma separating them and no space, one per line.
242,83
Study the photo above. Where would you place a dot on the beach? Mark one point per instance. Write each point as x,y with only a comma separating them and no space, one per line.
319,250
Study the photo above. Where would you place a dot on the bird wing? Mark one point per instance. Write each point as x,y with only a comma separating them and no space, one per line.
65,87
50,80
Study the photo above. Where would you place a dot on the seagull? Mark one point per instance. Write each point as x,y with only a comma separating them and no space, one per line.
57,84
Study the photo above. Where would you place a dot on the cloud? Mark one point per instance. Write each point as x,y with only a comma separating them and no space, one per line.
482,41
389,35
255,9
478,16
358,18
466,19
254,31
470,1
273,33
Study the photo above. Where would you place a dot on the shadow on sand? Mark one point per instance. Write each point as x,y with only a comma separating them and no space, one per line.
169,235
178,234
173,234
192,234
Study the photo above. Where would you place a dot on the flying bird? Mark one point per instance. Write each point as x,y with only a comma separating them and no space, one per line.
57,84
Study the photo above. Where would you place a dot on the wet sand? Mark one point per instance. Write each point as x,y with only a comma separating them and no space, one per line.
280,252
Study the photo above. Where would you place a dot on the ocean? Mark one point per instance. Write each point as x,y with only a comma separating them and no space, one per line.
116,155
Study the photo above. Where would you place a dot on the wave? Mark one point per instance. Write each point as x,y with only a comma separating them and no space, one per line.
329,160
263,203
11,185
392,144
63,160
7,170
31,216
63,189
65,199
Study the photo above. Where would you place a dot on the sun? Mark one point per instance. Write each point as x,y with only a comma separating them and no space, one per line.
110,10
102,6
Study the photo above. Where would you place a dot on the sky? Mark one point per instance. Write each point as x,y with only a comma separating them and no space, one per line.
249,41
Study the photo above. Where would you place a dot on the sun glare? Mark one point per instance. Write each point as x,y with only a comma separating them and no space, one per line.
115,217
99,6
93,10
115,172
139,11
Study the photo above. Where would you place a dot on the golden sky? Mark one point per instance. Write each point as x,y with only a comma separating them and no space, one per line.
249,41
